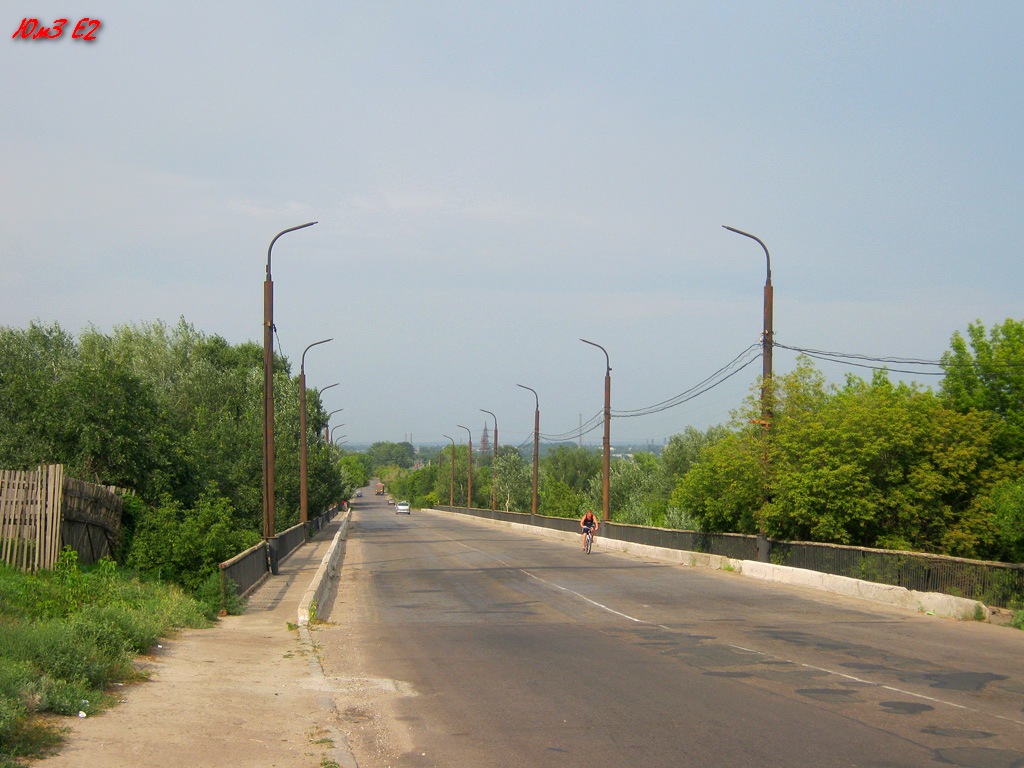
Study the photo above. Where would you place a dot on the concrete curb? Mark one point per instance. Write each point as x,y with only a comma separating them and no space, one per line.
327,571
932,603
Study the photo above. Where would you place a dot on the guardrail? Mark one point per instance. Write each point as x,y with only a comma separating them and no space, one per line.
999,585
247,570
244,571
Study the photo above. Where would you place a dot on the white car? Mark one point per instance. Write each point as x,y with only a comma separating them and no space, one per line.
403,507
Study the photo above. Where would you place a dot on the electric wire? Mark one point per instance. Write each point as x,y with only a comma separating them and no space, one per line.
724,373
880,363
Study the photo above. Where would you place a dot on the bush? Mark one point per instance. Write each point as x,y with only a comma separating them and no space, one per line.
186,546
214,597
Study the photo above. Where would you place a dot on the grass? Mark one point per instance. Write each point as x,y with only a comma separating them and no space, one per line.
66,637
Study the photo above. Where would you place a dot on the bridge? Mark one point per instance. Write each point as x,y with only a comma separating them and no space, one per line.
446,640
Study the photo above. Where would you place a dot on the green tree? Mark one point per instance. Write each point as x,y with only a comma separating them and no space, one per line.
355,470
572,465
1002,510
32,363
875,464
637,491
514,478
382,454
557,498
683,450
985,372
723,491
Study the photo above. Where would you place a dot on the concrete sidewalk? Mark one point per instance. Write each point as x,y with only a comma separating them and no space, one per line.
248,692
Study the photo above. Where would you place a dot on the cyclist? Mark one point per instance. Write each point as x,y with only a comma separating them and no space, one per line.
589,524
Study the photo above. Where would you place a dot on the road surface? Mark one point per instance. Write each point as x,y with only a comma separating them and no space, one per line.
457,643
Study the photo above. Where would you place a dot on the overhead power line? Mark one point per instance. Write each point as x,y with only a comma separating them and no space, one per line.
724,373
870,362
730,369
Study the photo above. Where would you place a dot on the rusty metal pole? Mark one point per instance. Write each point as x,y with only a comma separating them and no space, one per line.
268,390
536,449
451,497
469,468
303,447
768,332
268,405
607,444
763,545
494,463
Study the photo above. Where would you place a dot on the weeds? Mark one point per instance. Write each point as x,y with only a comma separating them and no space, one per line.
68,634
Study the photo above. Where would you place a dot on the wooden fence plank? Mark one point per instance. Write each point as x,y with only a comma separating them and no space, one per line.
7,507
55,510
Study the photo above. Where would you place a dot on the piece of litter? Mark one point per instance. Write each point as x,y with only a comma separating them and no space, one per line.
81,714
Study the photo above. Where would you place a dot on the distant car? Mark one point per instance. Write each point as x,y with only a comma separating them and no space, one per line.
359,494
391,502
403,506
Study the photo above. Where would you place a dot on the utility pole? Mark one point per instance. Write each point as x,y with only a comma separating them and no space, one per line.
607,446
536,449
268,393
767,333
469,467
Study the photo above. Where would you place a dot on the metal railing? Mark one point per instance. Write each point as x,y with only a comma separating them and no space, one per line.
995,584
998,585
244,572
247,570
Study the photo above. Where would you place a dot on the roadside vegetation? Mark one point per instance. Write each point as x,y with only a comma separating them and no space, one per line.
68,638
173,417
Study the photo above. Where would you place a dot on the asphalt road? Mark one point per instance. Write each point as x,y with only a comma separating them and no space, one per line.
463,644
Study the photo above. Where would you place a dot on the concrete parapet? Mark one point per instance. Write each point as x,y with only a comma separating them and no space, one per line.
935,603
325,574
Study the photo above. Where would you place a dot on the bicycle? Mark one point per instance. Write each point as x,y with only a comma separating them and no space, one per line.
588,540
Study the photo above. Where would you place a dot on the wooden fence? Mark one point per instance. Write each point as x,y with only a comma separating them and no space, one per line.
41,511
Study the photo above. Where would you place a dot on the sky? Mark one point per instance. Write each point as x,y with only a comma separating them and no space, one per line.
494,181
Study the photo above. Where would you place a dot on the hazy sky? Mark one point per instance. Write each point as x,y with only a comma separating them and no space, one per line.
495,180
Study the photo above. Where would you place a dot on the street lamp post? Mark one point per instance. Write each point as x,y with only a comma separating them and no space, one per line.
320,392
451,496
607,430
327,425
303,447
766,378
767,333
469,465
332,432
268,391
536,449
494,463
